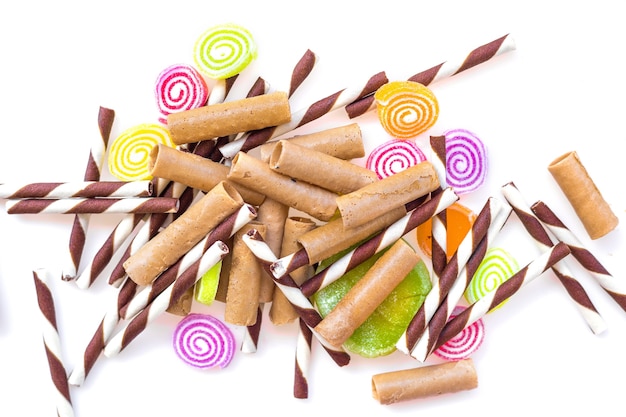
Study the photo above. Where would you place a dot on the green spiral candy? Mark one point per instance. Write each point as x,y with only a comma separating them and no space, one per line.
496,267
224,51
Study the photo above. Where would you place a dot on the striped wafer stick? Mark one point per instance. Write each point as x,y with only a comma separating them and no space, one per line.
616,288
543,241
52,343
440,289
250,341
166,299
444,70
93,171
439,230
301,71
502,292
303,360
93,205
378,242
305,115
425,344
85,189
220,90
288,286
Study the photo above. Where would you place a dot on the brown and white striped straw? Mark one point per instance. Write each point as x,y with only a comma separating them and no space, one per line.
439,228
250,339
502,292
141,205
615,287
84,189
444,70
302,361
52,343
535,229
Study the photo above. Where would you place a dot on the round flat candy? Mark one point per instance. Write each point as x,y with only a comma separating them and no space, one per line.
466,160
496,267
394,156
459,220
463,345
224,50
203,341
179,87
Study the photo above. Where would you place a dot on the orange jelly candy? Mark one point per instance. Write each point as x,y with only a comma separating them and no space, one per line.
459,220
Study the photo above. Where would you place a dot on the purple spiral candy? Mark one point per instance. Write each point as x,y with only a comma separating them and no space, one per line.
466,160
203,341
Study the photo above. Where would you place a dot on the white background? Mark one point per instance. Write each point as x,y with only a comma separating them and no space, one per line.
560,90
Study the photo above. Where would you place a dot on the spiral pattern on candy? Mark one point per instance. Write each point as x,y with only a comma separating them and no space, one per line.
496,267
130,151
464,344
203,341
224,51
394,156
179,87
466,160
406,108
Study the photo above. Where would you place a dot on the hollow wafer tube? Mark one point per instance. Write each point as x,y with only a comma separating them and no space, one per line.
139,205
85,189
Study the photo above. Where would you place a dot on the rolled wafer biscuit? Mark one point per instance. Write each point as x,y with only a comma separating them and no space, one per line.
367,294
253,173
345,142
194,171
377,198
317,168
183,233
223,119
272,214
425,381
580,190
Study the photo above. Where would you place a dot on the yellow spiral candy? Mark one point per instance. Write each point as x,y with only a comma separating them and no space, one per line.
130,151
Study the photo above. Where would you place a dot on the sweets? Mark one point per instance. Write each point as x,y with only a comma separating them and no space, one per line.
497,266
203,341
406,108
93,205
463,345
394,156
225,50
85,189
459,220
179,87
466,160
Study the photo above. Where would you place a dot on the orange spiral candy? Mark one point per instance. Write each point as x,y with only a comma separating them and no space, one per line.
459,220
406,108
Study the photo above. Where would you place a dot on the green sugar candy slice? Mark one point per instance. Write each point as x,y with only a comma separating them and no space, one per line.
206,287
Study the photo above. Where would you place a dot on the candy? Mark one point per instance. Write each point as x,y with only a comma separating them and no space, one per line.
466,160
225,50
394,156
93,205
203,341
459,220
179,87
463,345
84,189
206,288
406,108
497,266
128,155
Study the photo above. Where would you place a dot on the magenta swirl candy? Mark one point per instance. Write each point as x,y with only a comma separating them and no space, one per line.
464,344
203,341
394,156
179,87
466,160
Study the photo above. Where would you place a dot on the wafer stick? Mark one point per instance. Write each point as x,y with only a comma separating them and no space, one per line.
52,343
139,205
543,241
85,189
220,90
502,292
444,70
301,71
250,338
439,222
303,361
616,288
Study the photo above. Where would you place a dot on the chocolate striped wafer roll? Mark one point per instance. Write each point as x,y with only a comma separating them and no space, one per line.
301,71
220,90
440,289
444,70
502,292
52,343
287,285
165,299
250,337
303,361
616,288
84,189
140,205
542,240
439,228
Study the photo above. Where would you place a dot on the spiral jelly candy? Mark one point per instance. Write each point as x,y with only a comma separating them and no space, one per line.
496,267
394,156
203,341
466,160
465,343
179,87
224,51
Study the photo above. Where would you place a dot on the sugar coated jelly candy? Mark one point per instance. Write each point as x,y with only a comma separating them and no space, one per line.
224,50
394,156
204,341
179,87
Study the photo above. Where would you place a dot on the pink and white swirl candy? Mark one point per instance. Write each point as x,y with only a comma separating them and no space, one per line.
394,156
466,160
464,344
179,87
203,341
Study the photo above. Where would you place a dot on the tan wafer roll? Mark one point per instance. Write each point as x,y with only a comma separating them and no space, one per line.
315,167
367,294
580,190
223,119
253,173
281,310
193,171
244,280
345,142
425,381
273,215
377,198
182,234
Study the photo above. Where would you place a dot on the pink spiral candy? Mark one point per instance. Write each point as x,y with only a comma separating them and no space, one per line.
179,87
466,160
465,343
394,156
203,341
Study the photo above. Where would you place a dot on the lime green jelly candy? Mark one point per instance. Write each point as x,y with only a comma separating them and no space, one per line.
496,267
378,335
206,287
224,50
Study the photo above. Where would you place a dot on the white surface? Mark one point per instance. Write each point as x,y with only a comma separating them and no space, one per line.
561,90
